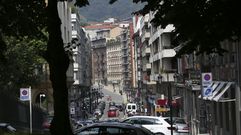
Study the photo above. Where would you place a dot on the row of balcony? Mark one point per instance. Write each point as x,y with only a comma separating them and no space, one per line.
146,67
144,21
146,52
165,53
145,36
163,77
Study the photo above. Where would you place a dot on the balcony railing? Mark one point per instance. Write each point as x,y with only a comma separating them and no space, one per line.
146,52
145,36
168,53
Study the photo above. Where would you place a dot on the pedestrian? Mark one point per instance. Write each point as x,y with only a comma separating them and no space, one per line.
158,114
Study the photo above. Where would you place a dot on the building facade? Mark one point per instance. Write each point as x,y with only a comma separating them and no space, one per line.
114,62
176,82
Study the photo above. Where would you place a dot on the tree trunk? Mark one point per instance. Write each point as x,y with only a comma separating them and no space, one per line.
58,63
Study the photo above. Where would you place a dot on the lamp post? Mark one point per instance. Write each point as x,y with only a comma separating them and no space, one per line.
169,88
159,79
40,101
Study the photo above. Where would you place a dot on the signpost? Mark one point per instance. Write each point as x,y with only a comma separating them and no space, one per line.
206,84
206,91
25,95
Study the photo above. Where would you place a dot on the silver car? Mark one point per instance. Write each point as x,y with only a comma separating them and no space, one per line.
181,125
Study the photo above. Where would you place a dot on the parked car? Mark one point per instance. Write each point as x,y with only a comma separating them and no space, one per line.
181,125
113,112
97,112
113,129
111,104
131,109
82,123
47,123
153,123
6,128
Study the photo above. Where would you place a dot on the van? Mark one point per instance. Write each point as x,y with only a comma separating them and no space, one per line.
131,109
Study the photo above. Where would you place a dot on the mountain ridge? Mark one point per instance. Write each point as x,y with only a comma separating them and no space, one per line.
100,10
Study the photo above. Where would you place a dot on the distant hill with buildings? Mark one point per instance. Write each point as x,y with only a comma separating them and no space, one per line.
100,10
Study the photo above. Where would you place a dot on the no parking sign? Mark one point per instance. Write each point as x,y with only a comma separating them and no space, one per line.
24,94
206,84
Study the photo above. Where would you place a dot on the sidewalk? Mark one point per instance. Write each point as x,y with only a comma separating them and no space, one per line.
110,88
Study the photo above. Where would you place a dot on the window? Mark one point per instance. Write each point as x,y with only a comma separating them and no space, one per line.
119,131
133,107
90,131
112,130
132,121
147,121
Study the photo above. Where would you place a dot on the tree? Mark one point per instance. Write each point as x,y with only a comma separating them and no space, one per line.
21,64
21,18
199,25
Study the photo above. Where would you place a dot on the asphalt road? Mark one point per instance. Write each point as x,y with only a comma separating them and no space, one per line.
111,96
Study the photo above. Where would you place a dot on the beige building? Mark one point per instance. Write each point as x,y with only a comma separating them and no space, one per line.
115,32
114,61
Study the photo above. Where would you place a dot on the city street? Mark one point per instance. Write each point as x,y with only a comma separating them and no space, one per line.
114,97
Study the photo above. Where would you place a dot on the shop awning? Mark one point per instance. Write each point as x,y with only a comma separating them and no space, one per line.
222,91
219,88
216,88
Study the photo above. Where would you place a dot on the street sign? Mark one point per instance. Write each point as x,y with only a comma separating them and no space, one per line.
24,94
207,91
72,110
206,84
206,79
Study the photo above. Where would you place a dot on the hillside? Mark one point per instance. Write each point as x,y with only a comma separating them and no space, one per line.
99,10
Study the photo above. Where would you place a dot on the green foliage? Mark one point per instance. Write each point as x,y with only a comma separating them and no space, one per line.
199,25
22,62
22,17
22,38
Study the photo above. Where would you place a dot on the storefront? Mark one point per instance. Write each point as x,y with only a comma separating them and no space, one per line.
219,108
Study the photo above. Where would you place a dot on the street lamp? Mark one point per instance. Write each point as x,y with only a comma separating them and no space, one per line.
40,101
169,88
159,79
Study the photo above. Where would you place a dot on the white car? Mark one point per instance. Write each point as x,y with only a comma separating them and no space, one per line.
153,123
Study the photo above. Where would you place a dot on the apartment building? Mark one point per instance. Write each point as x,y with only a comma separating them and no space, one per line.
157,65
216,114
99,34
180,79
106,40
114,60
99,61
126,69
